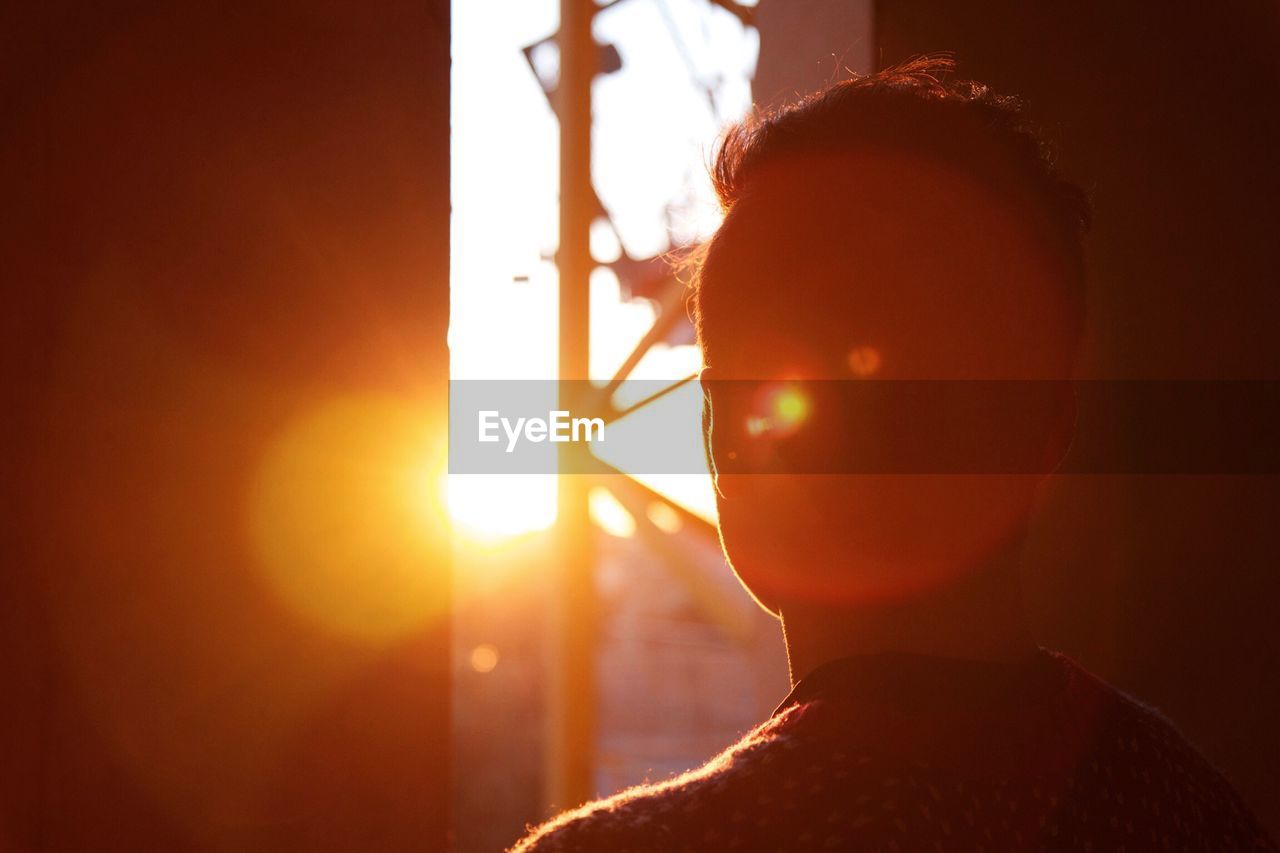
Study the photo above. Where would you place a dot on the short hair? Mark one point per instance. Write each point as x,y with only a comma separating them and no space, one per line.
913,108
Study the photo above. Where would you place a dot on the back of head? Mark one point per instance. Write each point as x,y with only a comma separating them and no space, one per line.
895,227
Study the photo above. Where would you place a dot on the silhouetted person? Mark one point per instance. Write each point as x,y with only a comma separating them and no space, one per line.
901,227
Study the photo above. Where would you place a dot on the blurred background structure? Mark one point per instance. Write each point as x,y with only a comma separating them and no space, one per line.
613,646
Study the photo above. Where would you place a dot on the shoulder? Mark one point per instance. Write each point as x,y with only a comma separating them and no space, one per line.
1149,747
660,816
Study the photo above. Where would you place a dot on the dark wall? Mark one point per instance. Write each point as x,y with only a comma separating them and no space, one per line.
1166,585
225,254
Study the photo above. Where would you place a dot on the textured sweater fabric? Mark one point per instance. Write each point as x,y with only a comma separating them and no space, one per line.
905,753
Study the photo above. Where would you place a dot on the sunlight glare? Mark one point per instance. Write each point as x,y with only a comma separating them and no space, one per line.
487,509
609,514
338,520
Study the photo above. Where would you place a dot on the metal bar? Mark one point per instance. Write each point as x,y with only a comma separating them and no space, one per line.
696,522
745,14
571,706
617,414
662,324
719,607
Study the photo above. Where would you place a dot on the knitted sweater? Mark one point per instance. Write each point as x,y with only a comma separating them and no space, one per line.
905,753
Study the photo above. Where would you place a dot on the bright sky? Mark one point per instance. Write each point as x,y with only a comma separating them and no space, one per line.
686,71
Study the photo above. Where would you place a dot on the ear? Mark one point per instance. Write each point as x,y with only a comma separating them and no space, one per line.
708,423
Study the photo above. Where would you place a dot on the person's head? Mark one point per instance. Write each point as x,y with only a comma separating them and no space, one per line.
897,226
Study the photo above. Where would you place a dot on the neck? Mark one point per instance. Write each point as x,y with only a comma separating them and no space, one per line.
978,618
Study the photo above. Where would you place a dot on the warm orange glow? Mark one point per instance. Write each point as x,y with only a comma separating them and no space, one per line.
342,518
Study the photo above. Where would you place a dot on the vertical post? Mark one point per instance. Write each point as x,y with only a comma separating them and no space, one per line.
571,713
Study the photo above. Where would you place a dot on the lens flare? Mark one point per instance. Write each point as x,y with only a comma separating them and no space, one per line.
864,361
343,522
484,658
783,409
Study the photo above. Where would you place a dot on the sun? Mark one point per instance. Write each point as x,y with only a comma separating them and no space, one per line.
488,509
